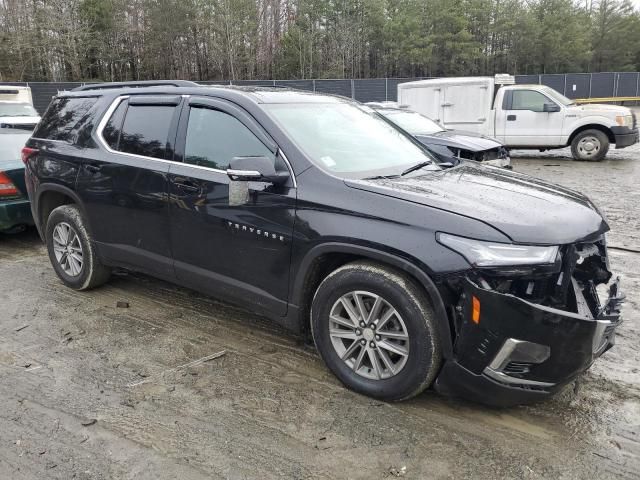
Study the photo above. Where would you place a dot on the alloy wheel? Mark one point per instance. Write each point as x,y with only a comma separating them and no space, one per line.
369,335
67,249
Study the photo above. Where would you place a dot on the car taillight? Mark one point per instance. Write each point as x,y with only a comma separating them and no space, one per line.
28,153
7,188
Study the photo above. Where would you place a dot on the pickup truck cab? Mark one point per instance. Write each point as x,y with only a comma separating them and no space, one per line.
522,116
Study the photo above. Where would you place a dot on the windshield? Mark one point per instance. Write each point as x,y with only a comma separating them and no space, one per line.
11,143
557,96
348,140
17,110
412,122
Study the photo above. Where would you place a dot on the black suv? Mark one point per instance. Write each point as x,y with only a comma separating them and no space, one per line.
315,212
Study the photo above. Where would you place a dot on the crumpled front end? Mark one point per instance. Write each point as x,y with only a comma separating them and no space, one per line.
523,333
496,157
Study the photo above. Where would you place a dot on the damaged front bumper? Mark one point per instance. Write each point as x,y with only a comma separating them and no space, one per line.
512,351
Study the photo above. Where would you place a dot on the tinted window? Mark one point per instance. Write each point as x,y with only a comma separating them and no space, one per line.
528,100
62,116
111,132
145,130
215,137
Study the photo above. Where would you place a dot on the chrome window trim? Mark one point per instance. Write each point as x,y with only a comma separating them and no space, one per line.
103,143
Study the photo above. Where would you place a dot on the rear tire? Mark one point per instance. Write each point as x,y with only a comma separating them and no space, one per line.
590,146
71,251
397,358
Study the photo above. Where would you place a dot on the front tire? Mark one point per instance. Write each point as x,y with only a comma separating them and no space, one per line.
375,330
590,146
71,251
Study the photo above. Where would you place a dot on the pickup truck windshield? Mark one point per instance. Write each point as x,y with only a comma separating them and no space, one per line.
348,140
412,122
17,110
557,96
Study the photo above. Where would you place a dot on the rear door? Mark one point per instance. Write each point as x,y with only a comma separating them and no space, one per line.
229,239
124,184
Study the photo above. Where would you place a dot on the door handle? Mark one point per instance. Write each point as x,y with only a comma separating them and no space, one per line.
93,168
447,104
511,118
186,185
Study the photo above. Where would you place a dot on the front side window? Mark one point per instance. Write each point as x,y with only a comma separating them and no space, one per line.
348,140
214,138
62,116
145,130
529,100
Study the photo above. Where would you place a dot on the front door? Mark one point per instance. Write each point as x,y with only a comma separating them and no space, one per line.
229,239
124,185
524,123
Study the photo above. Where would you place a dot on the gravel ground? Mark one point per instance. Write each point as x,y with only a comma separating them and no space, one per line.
91,391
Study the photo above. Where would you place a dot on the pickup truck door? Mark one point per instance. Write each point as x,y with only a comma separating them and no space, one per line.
523,121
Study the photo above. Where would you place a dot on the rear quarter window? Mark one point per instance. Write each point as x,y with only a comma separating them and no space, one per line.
62,117
145,130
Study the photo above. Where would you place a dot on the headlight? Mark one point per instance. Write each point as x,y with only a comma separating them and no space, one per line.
490,254
625,120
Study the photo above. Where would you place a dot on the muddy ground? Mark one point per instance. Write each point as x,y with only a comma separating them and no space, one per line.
91,391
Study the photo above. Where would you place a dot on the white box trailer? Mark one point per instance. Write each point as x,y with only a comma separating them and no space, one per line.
15,94
521,116
16,108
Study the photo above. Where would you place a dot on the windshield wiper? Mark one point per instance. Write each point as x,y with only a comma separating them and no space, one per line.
417,166
381,177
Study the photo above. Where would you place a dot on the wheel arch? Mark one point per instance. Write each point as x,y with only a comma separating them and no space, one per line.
323,259
592,126
49,197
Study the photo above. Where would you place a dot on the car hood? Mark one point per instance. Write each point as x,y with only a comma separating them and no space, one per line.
524,208
460,139
600,109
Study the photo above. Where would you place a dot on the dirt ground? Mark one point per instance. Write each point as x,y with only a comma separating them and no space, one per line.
92,391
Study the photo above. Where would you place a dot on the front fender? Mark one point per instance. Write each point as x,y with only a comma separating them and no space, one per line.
600,120
441,318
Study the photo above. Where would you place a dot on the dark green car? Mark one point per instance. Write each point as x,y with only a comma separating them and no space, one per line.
15,211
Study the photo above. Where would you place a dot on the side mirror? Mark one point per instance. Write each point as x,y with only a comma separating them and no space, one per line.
255,169
550,108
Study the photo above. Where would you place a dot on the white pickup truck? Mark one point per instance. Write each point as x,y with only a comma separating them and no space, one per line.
521,116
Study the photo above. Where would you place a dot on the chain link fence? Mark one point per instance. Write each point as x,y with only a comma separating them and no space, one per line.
573,85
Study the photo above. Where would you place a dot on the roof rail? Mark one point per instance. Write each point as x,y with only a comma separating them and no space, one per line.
144,83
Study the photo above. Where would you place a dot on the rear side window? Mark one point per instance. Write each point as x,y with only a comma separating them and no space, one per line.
145,130
112,129
62,117
215,137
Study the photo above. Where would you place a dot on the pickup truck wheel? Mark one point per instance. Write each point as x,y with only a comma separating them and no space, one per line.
71,251
374,329
590,146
